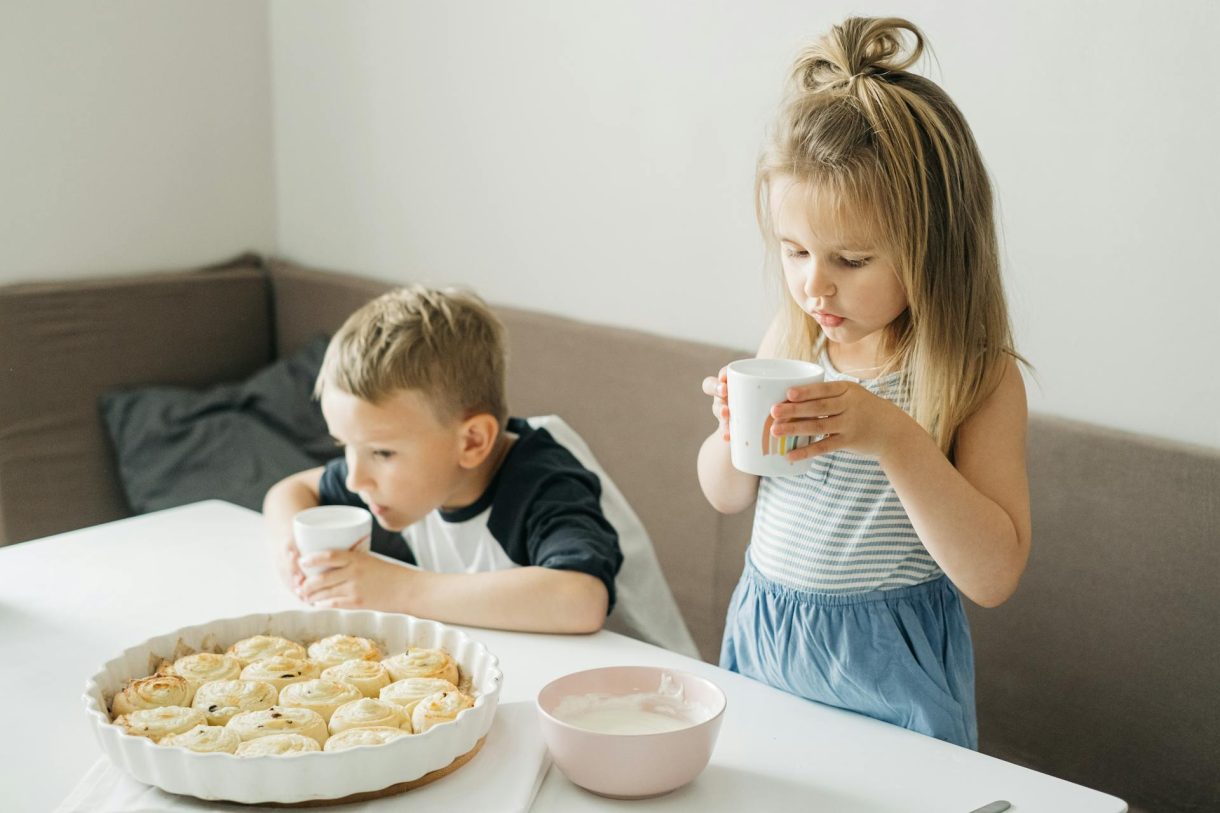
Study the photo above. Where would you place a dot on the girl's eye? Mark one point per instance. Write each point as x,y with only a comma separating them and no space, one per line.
792,252
860,263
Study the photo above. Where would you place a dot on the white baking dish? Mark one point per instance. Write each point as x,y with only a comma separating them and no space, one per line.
304,777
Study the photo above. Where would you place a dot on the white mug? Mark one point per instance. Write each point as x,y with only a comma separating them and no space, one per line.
756,385
332,527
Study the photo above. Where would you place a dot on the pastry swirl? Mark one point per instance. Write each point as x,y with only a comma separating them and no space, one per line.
279,670
204,667
151,692
160,722
369,713
353,737
206,739
409,691
278,745
335,649
369,677
251,725
257,647
438,708
323,696
221,699
417,662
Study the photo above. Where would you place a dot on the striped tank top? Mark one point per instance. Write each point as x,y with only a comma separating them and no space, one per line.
839,528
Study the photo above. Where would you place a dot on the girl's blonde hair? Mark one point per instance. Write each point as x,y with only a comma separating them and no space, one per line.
446,344
879,143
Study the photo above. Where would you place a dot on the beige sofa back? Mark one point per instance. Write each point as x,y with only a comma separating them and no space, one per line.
63,344
1103,668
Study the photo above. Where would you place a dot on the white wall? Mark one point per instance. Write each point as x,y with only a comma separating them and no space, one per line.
134,135
596,159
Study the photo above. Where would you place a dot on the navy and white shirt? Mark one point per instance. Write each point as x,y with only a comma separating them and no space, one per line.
541,508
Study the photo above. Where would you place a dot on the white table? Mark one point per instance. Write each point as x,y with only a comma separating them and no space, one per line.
70,602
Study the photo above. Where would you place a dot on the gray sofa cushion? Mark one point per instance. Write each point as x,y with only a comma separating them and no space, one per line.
231,442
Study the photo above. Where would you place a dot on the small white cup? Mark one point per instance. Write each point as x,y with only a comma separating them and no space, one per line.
756,385
331,527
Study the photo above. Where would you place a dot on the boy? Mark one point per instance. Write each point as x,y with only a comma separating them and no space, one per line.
504,524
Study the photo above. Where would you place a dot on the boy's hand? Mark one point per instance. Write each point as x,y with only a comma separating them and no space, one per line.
352,580
718,388
848,415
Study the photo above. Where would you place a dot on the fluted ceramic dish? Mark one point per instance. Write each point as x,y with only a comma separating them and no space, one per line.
304,777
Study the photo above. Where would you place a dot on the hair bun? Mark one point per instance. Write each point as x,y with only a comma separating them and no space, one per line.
857,47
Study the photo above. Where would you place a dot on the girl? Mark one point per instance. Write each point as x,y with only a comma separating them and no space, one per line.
874,194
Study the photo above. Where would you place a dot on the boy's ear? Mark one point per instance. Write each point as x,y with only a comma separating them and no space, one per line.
477,436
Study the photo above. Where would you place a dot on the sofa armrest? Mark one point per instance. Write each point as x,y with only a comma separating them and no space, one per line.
63,344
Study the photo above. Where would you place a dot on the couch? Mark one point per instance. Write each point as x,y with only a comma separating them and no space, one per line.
1103,669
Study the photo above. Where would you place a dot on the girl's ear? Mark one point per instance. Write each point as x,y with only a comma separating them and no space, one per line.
477,437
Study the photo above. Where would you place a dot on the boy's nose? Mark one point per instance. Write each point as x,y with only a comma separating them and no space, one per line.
355,476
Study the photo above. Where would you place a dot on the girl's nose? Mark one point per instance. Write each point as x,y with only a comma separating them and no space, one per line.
817,283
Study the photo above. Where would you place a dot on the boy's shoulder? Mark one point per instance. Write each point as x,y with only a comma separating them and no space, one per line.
542,453
542,473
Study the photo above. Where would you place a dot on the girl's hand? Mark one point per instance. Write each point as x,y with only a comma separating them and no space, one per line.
718,388
287,564
847,414
352,580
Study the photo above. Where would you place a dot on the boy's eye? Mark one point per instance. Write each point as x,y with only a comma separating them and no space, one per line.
382,454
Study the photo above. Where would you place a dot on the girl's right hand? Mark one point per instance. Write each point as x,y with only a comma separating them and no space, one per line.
718,388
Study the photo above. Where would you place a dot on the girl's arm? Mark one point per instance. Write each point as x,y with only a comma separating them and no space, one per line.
527,599
973,518
727,489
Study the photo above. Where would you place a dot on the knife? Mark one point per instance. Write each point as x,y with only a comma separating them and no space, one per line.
998,806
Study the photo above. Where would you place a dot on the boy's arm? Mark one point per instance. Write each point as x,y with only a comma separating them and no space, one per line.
552,525
294,493
526,599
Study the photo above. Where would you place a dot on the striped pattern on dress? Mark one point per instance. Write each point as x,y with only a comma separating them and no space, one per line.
840,528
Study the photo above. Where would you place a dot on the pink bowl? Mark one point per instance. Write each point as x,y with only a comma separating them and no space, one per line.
630,766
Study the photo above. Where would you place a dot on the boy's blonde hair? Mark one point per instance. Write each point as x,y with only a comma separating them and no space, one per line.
447,344
891,150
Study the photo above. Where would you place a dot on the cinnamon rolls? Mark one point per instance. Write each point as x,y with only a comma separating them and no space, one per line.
417,662
267,695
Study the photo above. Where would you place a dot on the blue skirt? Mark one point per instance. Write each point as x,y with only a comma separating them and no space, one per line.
902,656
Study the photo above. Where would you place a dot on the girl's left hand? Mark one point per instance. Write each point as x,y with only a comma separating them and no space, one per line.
351,580
847,414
